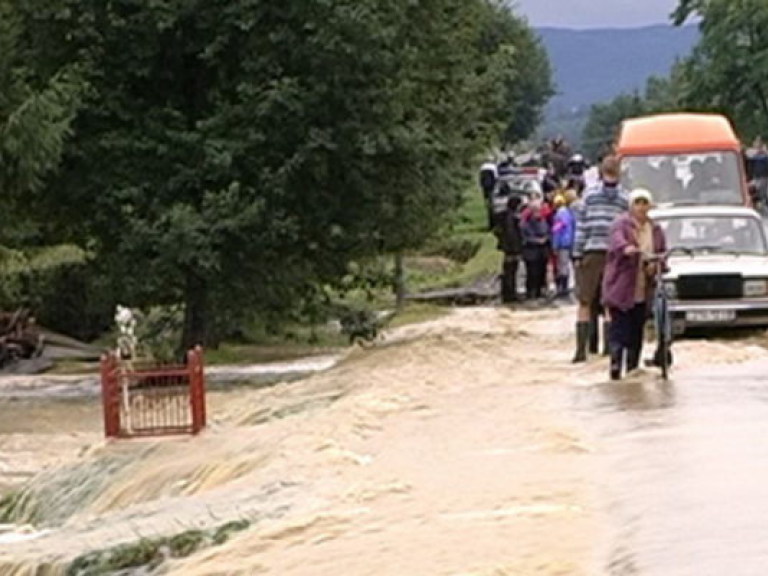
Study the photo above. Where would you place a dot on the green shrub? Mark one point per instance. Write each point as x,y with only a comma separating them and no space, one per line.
151,552
223,533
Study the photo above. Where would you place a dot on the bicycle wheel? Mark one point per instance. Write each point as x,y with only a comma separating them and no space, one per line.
664,334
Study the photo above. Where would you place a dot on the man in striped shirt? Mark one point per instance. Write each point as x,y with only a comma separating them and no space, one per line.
600,207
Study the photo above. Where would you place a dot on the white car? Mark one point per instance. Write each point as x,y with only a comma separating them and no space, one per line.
719,268
525,185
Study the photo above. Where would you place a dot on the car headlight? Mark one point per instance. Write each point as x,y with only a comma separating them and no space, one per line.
670,289
755,287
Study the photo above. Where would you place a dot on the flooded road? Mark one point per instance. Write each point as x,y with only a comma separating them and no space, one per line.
468,445
686,471
47,420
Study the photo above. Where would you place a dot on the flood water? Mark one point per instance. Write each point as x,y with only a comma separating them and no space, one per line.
686,471
468,445
47,420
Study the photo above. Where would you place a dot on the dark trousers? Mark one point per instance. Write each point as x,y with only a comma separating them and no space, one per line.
535,274
626,333
509,278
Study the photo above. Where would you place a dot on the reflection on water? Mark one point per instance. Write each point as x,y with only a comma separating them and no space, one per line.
637,394
686,471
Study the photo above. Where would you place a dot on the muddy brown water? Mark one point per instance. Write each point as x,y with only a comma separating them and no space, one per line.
685,482
466,445
48,420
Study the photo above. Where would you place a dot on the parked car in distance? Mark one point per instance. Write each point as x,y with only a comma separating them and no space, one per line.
718,274
524,182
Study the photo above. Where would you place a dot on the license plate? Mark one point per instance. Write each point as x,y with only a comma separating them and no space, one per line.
710,316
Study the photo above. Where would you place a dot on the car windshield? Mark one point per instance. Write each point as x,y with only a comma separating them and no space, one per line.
707,178
715,234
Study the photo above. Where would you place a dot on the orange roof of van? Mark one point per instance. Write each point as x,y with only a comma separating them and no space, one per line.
670,133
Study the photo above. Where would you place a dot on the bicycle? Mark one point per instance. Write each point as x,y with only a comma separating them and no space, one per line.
662,318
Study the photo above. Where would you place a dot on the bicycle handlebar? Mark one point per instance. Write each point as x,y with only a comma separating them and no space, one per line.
657,256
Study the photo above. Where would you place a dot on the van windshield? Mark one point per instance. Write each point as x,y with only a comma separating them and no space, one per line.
704,178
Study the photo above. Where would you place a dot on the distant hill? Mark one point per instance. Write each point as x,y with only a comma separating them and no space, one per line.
593,66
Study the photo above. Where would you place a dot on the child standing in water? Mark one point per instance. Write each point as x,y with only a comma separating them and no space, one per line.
563,232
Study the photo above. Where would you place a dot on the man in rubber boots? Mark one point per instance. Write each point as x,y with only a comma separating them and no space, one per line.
601,206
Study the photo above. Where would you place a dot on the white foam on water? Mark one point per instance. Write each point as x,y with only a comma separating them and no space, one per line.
313,364
10,534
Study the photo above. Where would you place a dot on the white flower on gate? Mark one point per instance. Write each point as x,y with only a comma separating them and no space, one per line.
126,340
126,354
126,320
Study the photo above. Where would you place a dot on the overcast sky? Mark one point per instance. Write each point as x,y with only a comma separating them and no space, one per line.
596,13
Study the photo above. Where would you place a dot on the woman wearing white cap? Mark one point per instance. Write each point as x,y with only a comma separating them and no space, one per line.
628,283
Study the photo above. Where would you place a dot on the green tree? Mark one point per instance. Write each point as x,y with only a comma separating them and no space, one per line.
605,119
728,71
661,95
35,120
236,155
520,69
36,113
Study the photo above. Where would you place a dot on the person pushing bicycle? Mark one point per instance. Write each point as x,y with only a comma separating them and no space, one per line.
629,281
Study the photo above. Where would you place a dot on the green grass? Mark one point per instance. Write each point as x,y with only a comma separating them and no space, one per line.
73,367
273,352
471,224
414,313
472,217
151,553
487,262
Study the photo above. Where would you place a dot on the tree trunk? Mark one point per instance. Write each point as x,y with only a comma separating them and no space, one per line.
399,281
195,313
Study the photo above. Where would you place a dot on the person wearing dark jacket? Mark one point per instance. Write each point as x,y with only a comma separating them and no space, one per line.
511,243
536,242
760,173
489,177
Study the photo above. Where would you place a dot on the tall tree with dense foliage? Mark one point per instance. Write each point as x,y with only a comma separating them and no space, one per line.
661,95
35,120
36,114
605,119
728,71
521,70
234,155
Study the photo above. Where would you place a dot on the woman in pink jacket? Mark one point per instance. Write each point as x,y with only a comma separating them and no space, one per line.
628,281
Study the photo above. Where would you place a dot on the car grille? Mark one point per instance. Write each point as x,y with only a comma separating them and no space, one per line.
704,287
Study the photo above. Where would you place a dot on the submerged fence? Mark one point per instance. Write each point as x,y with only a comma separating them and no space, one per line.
153,400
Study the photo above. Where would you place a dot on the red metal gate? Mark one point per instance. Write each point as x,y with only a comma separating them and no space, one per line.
155,400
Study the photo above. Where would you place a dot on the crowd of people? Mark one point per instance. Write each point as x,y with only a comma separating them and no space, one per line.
538,227
539,232
596,238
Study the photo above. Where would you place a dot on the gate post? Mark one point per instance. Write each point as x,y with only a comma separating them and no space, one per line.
196,388
110,396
